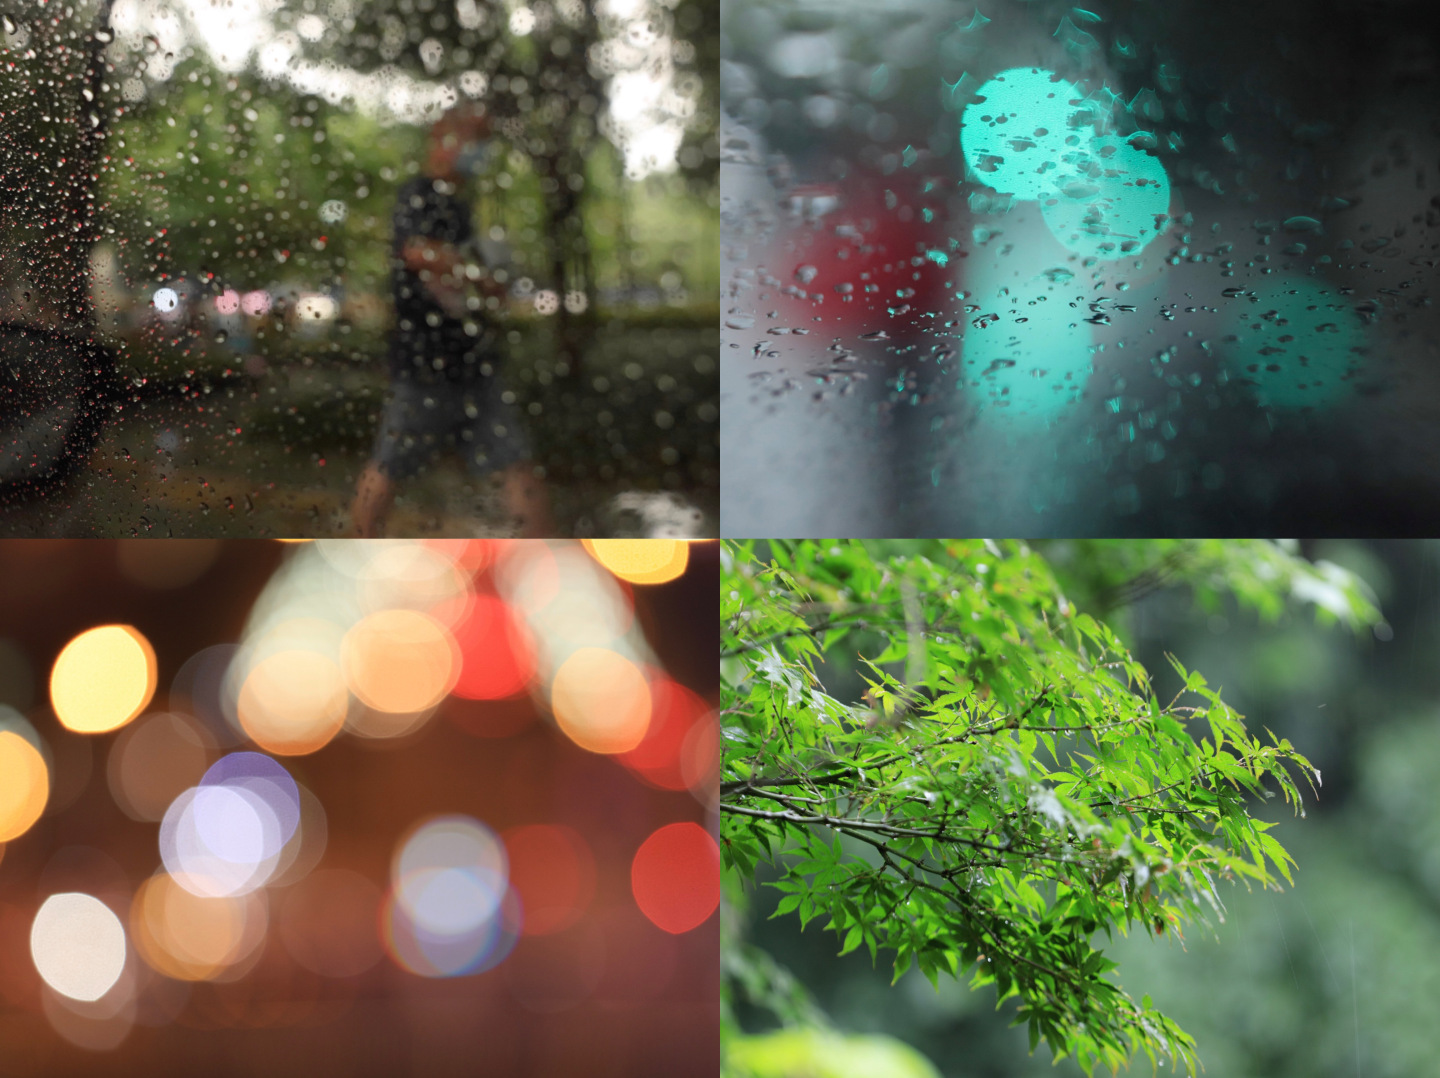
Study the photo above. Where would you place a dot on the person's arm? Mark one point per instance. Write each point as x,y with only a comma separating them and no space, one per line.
447,274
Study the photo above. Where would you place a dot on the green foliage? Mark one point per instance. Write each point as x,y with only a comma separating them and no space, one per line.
752,972
1010,786
813,1053
225,175
1262,576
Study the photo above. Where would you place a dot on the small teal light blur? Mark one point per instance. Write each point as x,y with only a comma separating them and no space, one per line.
1298,344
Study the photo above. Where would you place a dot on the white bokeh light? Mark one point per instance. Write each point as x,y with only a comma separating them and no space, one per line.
78,945
228,836
647,110
522,21
232,822
452,911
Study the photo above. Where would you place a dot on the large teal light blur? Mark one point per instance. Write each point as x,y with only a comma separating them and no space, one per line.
1118,202
1026,373
1021,131
1031,134
1296,343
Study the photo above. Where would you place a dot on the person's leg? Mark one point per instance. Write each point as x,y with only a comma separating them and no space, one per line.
527,499
374,494
495,444
404,439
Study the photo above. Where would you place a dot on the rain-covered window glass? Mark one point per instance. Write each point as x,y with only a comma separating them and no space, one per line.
311,267
1127,267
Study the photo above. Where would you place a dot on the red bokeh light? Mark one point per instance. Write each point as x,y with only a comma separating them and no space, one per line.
675,712
676,877
471,555
553,871
855,253
497,654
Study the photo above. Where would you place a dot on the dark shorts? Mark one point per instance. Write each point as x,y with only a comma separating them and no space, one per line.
471,417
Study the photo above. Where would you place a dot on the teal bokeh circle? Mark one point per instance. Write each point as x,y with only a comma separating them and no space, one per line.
1023,130
1028,372
1117,201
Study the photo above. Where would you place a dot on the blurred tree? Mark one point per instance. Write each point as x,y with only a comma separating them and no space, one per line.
698,23
186,152
1010,784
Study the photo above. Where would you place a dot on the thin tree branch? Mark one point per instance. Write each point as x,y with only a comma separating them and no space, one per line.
841,823
784,634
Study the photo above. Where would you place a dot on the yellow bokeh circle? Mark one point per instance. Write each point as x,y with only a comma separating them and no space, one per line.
24,785
293,702
641,561
102,679
400,661
191,938
601,700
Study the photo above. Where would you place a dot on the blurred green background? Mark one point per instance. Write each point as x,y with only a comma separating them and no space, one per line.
1335,977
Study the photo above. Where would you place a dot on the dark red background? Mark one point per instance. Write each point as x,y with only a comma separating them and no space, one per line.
654,1008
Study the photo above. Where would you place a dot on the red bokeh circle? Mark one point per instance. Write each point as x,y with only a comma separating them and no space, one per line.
675,877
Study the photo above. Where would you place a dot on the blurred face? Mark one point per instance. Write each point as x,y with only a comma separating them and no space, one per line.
457,145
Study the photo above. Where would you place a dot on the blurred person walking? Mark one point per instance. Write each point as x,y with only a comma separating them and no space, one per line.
445,350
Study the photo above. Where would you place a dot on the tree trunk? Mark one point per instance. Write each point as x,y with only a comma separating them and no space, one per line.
50,148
